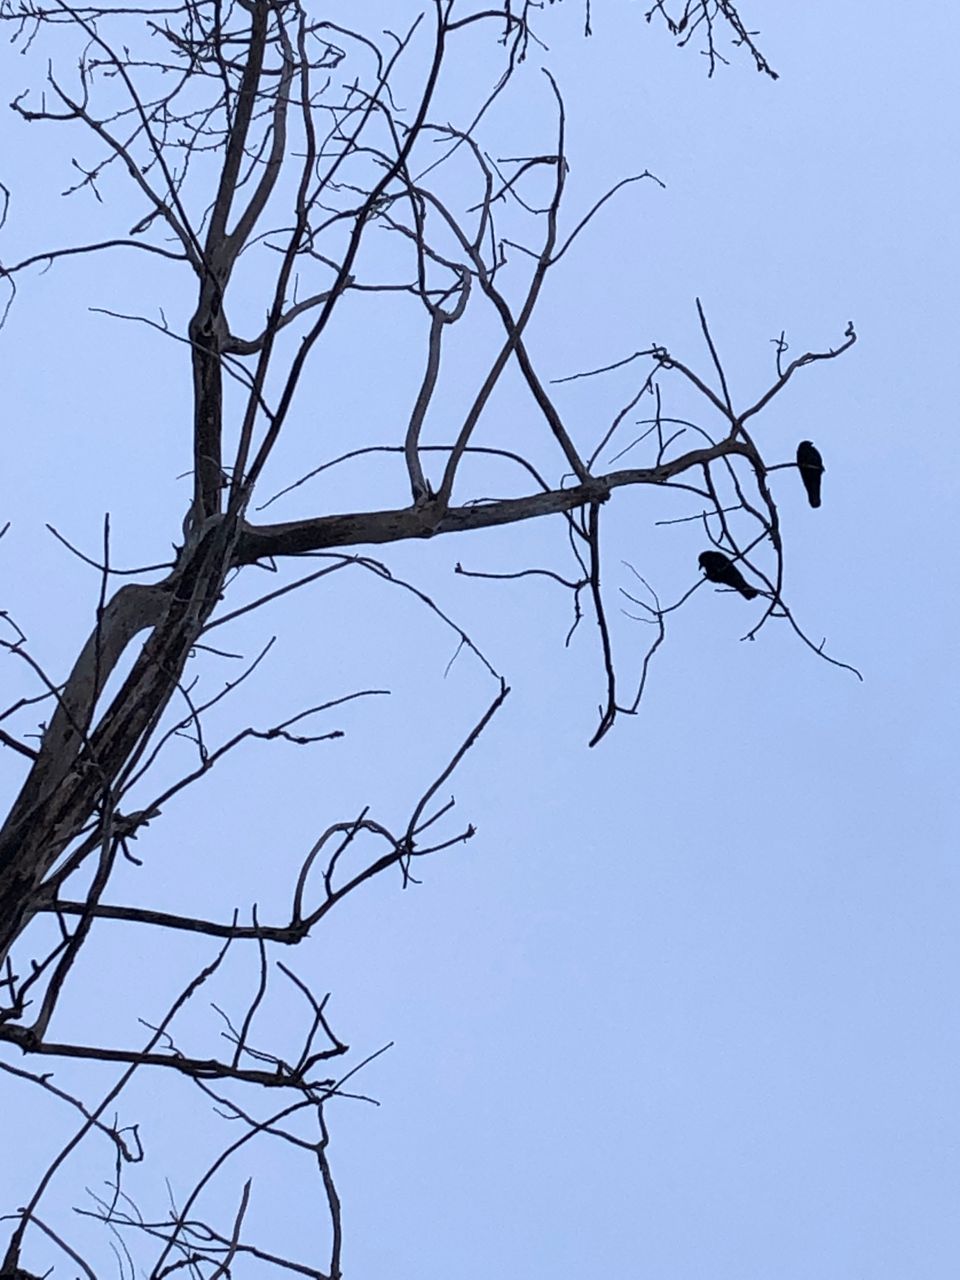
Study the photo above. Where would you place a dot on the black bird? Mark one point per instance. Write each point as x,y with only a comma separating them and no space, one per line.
811,470
718,568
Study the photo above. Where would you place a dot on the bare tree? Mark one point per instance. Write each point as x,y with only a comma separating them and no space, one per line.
281,159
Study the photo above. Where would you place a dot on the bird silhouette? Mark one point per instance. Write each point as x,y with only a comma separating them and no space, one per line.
811,470
719,569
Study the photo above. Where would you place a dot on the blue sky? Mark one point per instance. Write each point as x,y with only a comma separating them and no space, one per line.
685,1007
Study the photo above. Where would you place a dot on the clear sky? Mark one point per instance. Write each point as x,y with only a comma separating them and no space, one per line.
686,1006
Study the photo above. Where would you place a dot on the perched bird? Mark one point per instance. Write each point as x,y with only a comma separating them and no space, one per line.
811,470
718,568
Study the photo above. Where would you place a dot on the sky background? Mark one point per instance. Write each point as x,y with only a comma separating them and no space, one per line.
686,1006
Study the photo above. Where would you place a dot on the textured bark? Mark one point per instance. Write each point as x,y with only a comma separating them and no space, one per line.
79,760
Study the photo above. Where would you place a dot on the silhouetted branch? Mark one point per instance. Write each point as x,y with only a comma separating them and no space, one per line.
278,154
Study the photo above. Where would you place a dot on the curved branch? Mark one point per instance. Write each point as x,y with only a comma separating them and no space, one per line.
261,541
